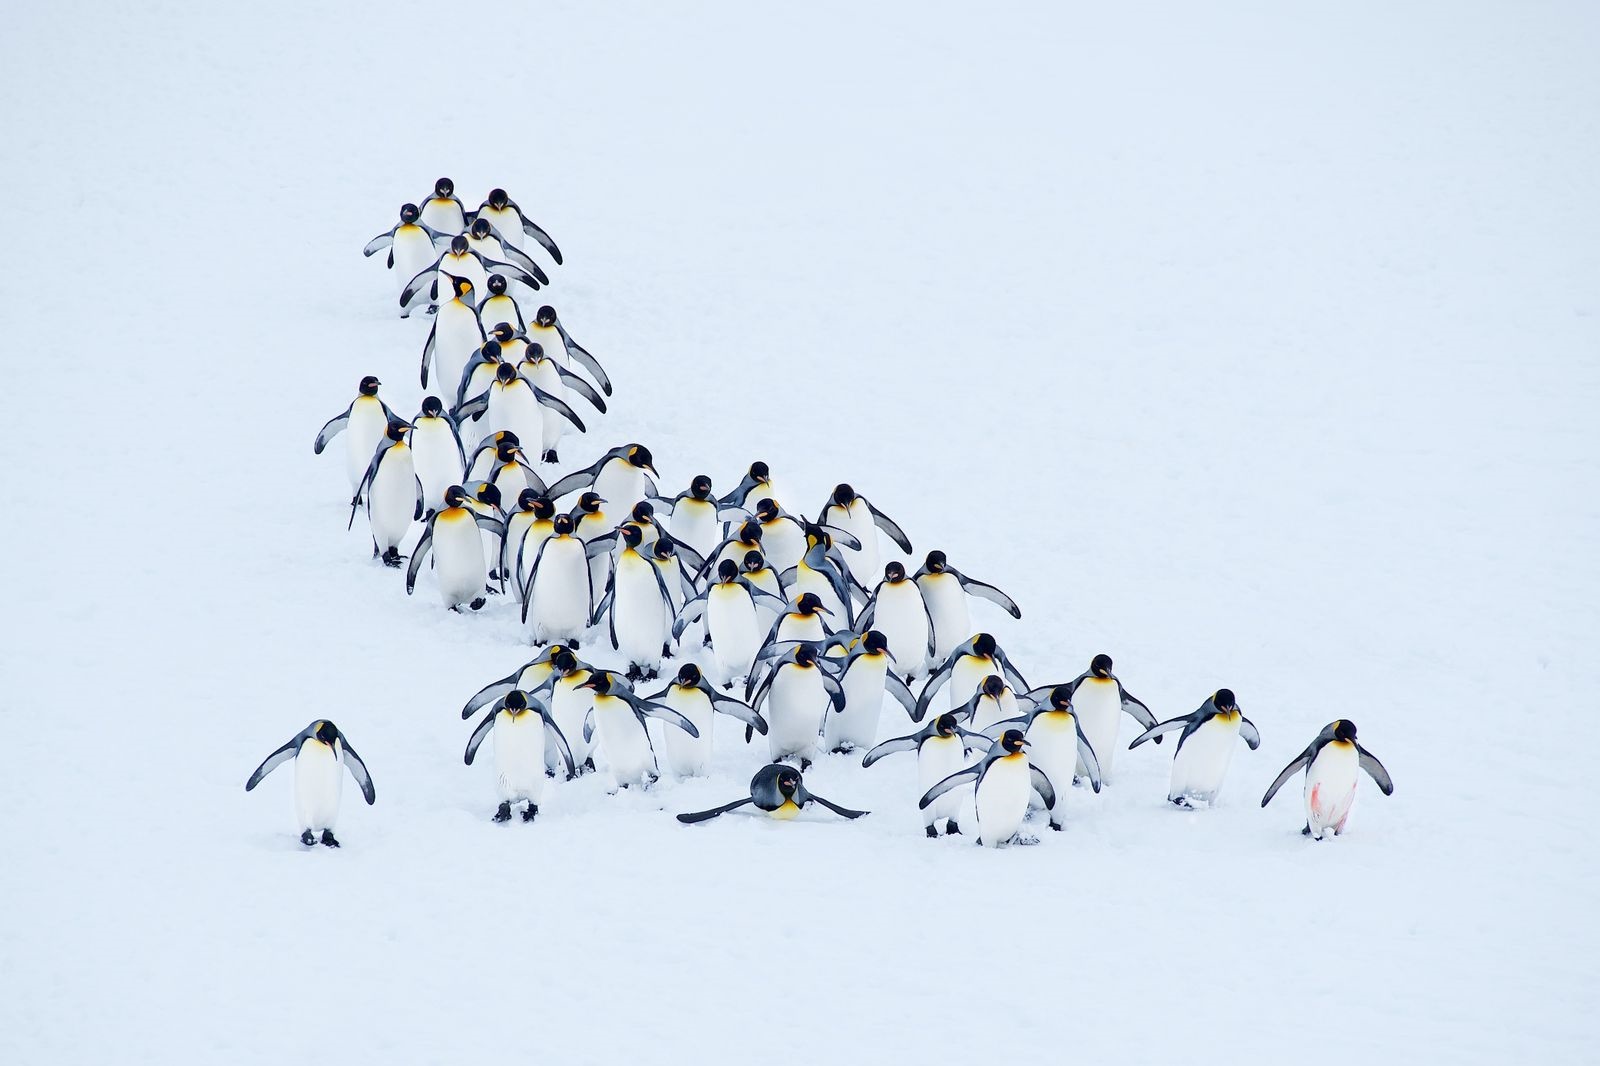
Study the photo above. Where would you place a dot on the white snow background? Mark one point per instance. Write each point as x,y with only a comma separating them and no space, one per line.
1254,344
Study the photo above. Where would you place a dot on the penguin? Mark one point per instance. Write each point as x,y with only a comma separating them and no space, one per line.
1056,739
486,241
941,748
758,573
780,792
526,529
363,424
1330,762
523,732
550,377
590,523
570,704
733,624
557,594
317,751
483,457
854,514
1100,700
458,261
393,495
638,606
692,696
1205,749
745,538
965,668
680,589
1004,781
500,307
802,624
443,211
476,379
411,246
864,679
452,534
530,677
487,499
755,487
455,334
514,403
696,517
624,476
822,571
618,719
511,475
896,608
945,590
436,451
513,225
548,331
993,703
797,692
783,537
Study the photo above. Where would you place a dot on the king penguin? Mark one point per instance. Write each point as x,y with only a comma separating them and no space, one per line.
363,424
411,245
777,791
318,751
1210,733
523,732
1004,781
393,495
941,748
1330,762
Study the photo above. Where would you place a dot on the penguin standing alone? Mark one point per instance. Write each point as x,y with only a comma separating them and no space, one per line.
318,751
1330,762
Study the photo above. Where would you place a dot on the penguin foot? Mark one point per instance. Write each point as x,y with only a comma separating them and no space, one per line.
573,643
309,839
392,558
666,650
531,812
843,749
705,641
551,773
1181,802
588,764
1057,826
477,604
933,834
1306,830
634,673
327,839
805,764
504,813
549,456
952,828
727,686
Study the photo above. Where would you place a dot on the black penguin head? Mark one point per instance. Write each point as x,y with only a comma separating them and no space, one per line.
489,494
1344,729
788,782
396,430
491,350
498,198
727,570
527,499
480,228
516,701
369,385
463,289
545,316
749,532
663,548
502,332
643,511
1101,665
505,373
506,451
458,244
1061,698
505,436
945,725
689,675
564,661
600,681
894,573
983,644
562,526
432,407
810,603
806,655
754,561
444,187
815,535
766,511
455,496
327,732
992,686
935,562
497,284
543,507
409,213
632,535
639,456
700,487
875,641
759,471
844,495
590,502
1013,741
534,352
1224,701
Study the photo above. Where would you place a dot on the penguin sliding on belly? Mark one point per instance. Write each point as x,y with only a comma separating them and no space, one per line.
1004,782
363,424
319,751
523,731
1205,749
1330,762
941,748
777,791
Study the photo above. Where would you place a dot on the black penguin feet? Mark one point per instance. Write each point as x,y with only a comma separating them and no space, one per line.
1306,830
551,773
494,575
933,834
327,839
651,675
634,673
588,765
549,456
705,641
1057,826
504,813
805,764
842,750
727,686
309,839
666,650
573,643
375,551
531,812
477,604
392,558
1181,802
952,828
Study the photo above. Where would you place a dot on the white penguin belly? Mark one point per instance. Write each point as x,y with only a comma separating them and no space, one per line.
552,424
505,222
1099,706
966,677
795,705
783,543
639,615
392,497
549,338
857,725
1330,789
458,564
1202,762
695,523
513,407
455,338
525,535
947,605
519,756
902,619
621,485
623,741
569,706
1002,800
688,756
937,759
559,607
735,636
865,563
361,436
413,253
498,309
443,215
1053,740
437,460
801,627
318,784
990,710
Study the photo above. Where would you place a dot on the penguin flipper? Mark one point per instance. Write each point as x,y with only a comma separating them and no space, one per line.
1135,708
582,388
1014,676
428,348
289,750
986,741
532,229
425,279
842,536
491,692
939,677
334,427
953,781
1369,762
482,731
1163,727
889,747
553,735
667,715
1300,762
517,257
692,611
706,816
1041,785
1252,736
891,528
379,243
588,725
358,770
477,405
843,812
417,553
894,686
734,709
575,480
985,591
835,691
1086,755
559,406
581,355
489,522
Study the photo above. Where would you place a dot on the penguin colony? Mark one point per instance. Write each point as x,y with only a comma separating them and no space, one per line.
789,624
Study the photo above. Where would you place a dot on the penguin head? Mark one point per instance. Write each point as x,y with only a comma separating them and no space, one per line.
815,535
894,573
409,213
945,725
432,407
506,451
643,511
727,570
935,562
1224,701
562,526
464,291
663,549
327,732
497,284
1344,729
766,511
749,532
639,456
369,385
984,645
700,487
502,331
505,373
534,352
806,655
590,502
1101,666
1061,698
396,430
458,244
528,499
844,495
875,641
759,472
498,198
444,187
489,494
516,701
545,316
631,535
600,681
810,603
480,228
564,661
753,562
689,675
491,350
992,686
455,496
1013,741
788,781
504,436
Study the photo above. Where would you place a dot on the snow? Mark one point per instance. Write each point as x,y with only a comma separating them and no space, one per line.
1252,344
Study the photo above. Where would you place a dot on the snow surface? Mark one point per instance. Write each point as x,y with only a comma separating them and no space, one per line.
1254,344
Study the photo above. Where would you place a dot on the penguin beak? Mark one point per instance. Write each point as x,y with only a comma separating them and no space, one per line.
652,468
823,609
